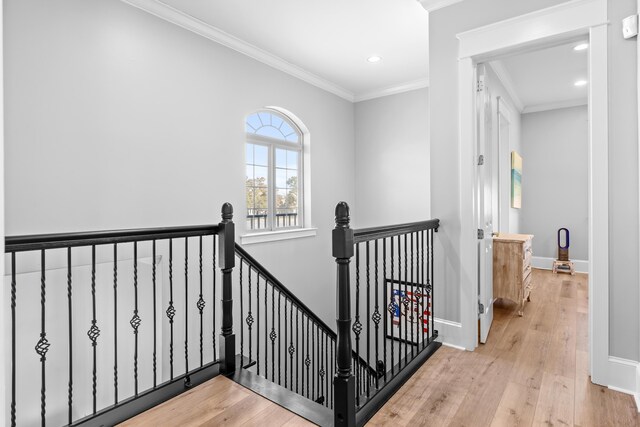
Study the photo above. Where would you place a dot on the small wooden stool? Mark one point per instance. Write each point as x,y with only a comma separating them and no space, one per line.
564,267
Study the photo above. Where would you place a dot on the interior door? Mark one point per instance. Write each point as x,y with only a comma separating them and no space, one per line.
484,208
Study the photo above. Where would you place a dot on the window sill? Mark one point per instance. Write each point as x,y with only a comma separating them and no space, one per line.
274,236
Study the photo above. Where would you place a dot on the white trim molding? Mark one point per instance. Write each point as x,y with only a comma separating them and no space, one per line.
555,105
449,333
505,78
431,5
636,395
188,22
545,263
556,22
538,29
393,90
275,236
622,375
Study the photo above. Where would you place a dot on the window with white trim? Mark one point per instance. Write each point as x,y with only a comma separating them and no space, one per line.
273,159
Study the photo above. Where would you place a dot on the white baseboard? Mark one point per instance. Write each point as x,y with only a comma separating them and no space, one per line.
545,263
449,333
622,375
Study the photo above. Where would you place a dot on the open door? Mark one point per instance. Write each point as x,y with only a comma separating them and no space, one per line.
484,208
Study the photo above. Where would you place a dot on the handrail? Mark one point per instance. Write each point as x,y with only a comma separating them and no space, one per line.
275,282
373,233
85,238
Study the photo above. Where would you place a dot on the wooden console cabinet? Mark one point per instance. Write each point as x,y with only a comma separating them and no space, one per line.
512,267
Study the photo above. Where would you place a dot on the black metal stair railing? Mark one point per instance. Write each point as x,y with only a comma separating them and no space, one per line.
158,283
393,301
284,341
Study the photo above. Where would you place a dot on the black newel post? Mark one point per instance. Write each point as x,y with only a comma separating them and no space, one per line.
343,382
227,258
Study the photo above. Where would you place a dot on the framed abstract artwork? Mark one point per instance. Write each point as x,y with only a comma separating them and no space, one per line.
516,180
408,311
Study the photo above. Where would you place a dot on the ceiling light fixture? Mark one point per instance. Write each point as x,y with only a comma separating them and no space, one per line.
374,58
581,46
580,83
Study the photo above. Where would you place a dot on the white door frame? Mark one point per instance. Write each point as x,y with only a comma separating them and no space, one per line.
543,27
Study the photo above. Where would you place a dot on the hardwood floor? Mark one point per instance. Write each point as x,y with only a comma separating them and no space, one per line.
219,401
533,370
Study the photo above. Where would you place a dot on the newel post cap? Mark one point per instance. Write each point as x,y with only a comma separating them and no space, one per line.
227,212
342,215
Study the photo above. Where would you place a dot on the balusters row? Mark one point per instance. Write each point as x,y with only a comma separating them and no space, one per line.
103,284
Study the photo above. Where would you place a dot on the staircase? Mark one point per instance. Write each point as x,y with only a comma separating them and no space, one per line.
105,325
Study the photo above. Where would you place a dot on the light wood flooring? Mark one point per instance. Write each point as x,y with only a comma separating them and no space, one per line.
217,402
533,370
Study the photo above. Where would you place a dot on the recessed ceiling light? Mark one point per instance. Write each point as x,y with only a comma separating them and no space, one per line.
374,58
581,46
580,83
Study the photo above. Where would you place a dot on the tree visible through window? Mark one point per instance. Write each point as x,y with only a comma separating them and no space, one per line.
273,172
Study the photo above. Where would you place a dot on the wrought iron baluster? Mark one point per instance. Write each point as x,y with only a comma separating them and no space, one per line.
266,332
393,308
201,303
385,312
43,344
307,360
357,326
186,309
13,340
406,302
241,297
414,308
250,319
272,335
313,363
70,309
155,332
213,304
425,308
258,325
171,311
299,352
279,341
115,323
135,320
285,341
376,311
94,331
368,315
292,349
400,298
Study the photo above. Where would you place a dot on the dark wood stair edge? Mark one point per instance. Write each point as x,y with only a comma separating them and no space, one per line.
368,409
306,408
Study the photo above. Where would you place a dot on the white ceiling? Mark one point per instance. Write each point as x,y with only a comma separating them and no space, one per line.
328,40
544,79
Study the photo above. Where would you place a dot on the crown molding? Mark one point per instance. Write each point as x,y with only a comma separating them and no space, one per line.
188,22
555,105
505,78
431,5
392,90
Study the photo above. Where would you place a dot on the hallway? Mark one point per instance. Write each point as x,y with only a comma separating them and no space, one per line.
532,371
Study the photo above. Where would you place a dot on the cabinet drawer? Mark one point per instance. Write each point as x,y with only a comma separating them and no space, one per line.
526,271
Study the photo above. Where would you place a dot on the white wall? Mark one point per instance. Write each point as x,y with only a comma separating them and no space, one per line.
623,159
392,162
117,119
555,148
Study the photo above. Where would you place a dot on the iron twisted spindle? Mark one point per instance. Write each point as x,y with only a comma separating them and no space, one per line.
70,309
115,323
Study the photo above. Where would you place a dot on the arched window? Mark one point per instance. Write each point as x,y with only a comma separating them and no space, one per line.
273,172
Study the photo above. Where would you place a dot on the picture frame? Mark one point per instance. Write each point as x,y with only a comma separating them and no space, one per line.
411,328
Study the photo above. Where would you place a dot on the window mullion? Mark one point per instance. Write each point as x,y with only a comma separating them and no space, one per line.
272,189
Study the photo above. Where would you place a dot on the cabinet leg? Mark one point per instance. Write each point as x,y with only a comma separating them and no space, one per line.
529,297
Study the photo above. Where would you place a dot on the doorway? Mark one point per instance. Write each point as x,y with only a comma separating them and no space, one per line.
555,25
